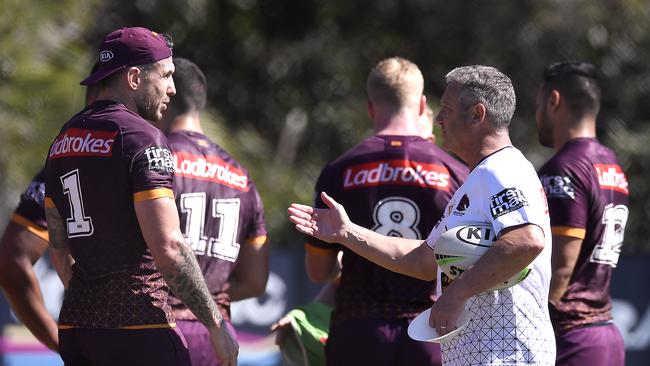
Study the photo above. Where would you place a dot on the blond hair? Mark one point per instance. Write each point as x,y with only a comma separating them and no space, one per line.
395,81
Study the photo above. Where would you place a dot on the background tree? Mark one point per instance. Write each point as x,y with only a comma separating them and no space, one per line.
287,78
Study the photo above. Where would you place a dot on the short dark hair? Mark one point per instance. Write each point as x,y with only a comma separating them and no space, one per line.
191,86
577,83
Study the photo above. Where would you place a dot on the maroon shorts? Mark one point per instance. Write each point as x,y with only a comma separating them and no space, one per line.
593,345
109,347
378,342
198,341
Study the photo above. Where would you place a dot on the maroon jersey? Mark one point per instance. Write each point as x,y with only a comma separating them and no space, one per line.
588,199
397,186
30,213
220,210
106,158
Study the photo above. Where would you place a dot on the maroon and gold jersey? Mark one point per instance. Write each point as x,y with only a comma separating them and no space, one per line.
397,186
30,213
587,194
103,160
220,211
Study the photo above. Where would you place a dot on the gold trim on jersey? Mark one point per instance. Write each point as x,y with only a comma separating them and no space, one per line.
153,194
311,249
574,232
257,240
128,327
48,203
30,226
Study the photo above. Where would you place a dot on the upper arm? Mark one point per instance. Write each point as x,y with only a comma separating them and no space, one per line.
321,264
19,250
159,223
566,250
253,265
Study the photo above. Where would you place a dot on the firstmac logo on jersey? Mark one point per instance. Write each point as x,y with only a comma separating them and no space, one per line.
159,159
611,176
558,186
396,172
506,201
210,168
82,142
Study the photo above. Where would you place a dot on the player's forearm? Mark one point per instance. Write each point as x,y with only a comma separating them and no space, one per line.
559,284
396,254
240,290
183,275
25,298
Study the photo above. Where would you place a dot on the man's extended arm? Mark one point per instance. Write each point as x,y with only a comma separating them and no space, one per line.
563,260
19,250
406,256
251,272
159,223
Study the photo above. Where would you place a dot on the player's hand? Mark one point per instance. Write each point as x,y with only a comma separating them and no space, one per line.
445,313
282,328
327,224
225,346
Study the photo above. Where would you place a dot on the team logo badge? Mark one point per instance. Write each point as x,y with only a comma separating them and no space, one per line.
506,201
462,206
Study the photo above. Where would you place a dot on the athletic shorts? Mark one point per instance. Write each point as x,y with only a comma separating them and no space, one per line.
592,345
378,342
124,347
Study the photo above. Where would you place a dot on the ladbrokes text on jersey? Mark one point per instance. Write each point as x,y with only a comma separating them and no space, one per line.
81,142
396,172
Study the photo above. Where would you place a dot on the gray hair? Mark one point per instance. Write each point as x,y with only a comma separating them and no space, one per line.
488,86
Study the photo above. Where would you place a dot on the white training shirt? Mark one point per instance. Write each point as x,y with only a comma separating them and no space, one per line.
510,326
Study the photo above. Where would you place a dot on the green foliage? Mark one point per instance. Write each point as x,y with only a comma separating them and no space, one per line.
287,78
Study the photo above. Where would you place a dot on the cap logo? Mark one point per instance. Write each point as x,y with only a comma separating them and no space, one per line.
105,56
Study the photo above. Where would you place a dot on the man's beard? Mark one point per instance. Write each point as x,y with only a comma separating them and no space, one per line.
149,107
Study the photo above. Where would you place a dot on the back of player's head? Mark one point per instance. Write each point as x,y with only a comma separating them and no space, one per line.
191,87
395,81
488,86
577,83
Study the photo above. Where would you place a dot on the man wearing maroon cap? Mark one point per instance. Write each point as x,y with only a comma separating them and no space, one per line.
113,223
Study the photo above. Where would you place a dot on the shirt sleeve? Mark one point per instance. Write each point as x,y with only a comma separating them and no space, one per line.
513,199
151,164
30,212
256,233
568,200
317,246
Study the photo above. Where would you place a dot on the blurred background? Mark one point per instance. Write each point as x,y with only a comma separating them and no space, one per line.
287,94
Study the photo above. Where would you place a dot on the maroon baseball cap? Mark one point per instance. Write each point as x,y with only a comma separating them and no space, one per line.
129,47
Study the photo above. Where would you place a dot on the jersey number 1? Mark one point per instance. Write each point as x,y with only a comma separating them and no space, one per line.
79,224
224,245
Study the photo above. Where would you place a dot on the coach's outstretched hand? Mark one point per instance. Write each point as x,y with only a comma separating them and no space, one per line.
327,224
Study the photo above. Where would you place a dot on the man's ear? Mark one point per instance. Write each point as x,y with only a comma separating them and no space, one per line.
133,77
423,105
479,113
554,100
371,110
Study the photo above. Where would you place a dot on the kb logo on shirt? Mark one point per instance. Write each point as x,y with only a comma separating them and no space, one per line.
506,201
159,159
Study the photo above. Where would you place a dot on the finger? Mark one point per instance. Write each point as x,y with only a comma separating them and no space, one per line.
299,213
304,208
301,222
305,229
329,201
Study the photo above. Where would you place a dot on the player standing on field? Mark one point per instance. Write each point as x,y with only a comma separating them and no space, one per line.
395,183
113,222
24,242
222,215
588,201
510,326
